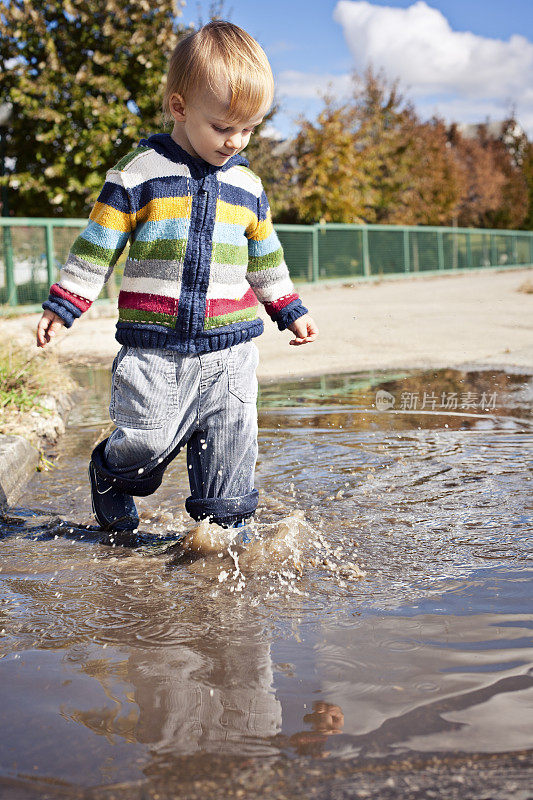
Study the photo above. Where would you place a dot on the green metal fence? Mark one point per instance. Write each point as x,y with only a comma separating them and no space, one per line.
345,252
33,250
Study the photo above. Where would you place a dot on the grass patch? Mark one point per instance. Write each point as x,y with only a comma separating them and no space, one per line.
25,378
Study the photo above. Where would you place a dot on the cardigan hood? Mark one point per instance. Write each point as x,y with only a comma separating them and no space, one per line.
164,144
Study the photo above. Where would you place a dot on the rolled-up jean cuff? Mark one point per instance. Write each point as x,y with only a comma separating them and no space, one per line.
140,487
223,510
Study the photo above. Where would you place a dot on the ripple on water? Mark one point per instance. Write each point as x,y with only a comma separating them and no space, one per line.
380,582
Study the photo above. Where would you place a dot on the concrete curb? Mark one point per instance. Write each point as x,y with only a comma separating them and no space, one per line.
18,462
19,457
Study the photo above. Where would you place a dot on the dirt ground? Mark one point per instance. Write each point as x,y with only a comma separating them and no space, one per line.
437,321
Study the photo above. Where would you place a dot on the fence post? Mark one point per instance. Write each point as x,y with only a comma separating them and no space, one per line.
493,256
468,250
50,266
316,271
406,257
11,286
440,249
366,255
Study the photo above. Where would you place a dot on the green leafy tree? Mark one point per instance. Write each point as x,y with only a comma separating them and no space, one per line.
85,78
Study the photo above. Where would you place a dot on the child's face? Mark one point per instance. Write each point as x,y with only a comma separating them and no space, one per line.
202,130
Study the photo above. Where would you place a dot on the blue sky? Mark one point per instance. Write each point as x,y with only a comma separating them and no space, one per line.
466,61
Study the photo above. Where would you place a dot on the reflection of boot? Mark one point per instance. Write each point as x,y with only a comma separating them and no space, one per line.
113,509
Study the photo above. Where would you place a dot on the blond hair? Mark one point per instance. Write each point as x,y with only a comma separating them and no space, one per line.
221,53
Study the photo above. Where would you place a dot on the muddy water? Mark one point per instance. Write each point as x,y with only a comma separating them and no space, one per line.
382,618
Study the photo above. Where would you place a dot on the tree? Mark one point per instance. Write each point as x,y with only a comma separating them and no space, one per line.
351,162
371,159
507,152
86,79
513,206
383,136
495,190
481,182
330,186
412,177
527,224
434,180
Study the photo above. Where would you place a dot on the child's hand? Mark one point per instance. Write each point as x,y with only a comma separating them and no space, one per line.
48,326
305,329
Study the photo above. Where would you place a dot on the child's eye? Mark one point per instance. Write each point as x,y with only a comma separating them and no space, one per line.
228,130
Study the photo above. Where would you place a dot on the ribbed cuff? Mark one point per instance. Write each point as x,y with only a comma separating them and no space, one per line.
290,313
67,311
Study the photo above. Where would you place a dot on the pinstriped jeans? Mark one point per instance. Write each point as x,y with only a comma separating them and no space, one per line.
162,401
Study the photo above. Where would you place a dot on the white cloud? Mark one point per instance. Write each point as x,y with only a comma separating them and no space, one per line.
291,83
460,76
271,132
418,45
460,109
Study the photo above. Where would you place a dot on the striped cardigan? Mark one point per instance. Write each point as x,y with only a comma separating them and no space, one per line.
202,253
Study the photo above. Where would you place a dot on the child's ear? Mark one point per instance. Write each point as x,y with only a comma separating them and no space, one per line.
177,107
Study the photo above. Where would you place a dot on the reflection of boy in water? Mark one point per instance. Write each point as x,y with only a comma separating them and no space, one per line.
220,699
210,694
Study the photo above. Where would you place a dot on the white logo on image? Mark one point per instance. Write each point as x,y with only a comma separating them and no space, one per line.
384,400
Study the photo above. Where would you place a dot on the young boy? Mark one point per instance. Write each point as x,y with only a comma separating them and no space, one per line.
202,253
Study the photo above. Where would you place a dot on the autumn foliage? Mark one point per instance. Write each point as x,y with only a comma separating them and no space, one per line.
372,159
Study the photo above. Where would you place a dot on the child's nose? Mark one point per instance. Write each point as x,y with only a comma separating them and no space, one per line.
234,142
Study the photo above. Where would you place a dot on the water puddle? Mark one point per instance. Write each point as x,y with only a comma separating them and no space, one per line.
381,613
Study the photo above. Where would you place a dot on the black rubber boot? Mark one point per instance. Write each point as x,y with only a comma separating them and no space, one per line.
113,509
